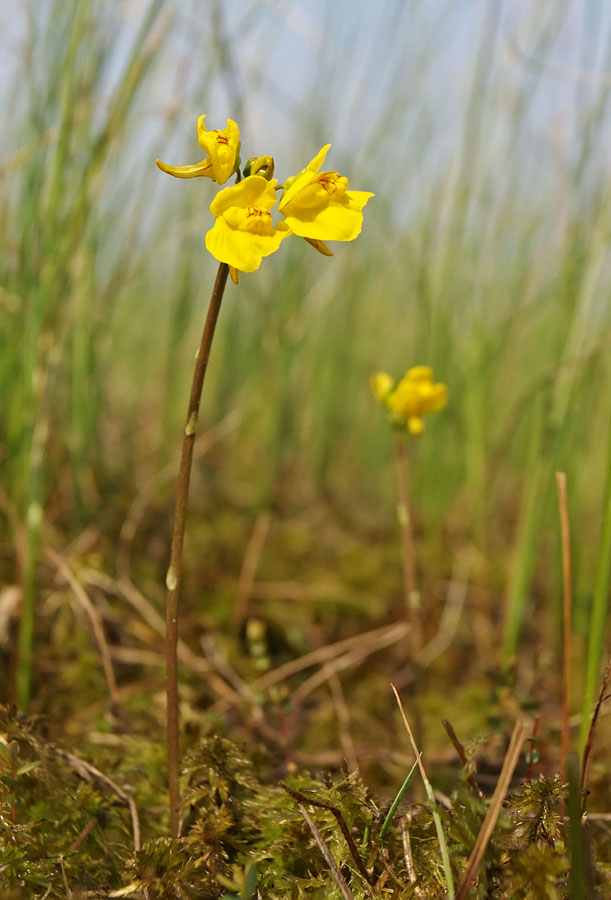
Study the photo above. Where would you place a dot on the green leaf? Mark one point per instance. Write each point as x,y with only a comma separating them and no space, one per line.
29,766
250,880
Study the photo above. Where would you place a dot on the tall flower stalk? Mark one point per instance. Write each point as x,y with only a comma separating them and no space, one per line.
317,206
408,550
408,400
174,573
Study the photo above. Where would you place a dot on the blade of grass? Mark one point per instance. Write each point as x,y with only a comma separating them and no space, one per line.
567,606
395,804
479,848
443,846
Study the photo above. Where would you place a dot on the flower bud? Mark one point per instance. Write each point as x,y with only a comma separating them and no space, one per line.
260,165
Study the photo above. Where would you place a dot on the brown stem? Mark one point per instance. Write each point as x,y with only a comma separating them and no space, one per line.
178,532
407,544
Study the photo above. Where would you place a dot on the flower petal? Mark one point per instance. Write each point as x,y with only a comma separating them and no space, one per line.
243,250
419,373
252,191
300,181
221,147
439,397
341,220
382,384
203,168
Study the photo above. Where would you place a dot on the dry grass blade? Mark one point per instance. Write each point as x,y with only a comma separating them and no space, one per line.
197,664
342,713
337,875
511,758
407,852
85,770
443,847
360,652
97,626
249,566
390,633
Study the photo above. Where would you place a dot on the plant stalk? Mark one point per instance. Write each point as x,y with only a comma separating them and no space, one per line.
174,573
412,597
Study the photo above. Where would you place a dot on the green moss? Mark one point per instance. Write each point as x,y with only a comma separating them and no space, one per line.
62,827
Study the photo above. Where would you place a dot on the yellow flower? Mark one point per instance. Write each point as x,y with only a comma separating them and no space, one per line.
222,147
382,384
243,232
409,400
319,207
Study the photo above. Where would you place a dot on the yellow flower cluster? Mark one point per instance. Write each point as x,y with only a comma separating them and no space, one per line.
409,399
315,205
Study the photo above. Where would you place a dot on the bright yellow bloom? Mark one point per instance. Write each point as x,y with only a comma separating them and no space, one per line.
223,149
243,232
382,384
413,396
319,207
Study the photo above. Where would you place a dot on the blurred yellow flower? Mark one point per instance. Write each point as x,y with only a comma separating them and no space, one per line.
243,232
413,396
382,384
319,207
223,149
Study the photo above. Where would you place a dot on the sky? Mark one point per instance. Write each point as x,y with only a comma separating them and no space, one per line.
390,84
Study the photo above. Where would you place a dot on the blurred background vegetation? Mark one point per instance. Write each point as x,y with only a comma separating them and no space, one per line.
482,131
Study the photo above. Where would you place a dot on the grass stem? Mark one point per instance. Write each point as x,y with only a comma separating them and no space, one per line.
567,608
430,796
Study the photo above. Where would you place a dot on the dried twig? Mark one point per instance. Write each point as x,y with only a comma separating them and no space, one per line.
511,758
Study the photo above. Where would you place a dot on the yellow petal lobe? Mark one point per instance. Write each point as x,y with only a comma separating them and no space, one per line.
204,168
222,148
318,205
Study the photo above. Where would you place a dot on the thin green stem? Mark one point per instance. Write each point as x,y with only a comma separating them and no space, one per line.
174,573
